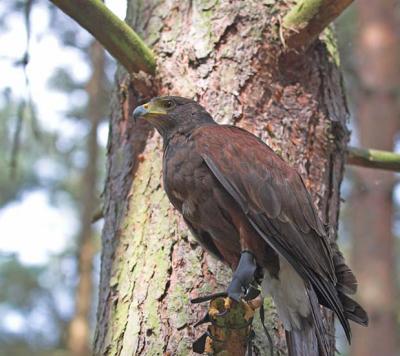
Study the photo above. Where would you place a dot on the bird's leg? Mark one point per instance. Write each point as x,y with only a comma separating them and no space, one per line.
240,287
243,276
241,284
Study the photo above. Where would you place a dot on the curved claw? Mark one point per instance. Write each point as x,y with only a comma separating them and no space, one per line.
206,298
251,293
205,319
200,344
223,313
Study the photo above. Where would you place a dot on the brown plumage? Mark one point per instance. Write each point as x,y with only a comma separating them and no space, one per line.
236,194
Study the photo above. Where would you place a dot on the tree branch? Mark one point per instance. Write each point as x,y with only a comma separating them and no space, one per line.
115,35
374,159
304,23
308,18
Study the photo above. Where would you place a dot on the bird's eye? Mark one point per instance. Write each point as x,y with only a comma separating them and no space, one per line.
169,104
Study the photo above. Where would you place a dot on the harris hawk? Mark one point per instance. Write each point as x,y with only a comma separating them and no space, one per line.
250,209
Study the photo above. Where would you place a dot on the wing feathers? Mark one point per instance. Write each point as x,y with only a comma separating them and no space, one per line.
278,206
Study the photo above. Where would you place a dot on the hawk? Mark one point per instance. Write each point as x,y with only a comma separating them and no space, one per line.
249,208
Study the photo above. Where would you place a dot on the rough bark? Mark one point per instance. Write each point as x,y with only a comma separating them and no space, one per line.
79,337
227,55
372,201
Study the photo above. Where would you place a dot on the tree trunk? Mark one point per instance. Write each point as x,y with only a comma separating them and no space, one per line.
372,202
229,57
79,330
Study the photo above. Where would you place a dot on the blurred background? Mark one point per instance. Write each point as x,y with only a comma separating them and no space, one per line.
55,84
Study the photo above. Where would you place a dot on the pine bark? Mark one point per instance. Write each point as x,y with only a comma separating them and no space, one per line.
229,57
372,213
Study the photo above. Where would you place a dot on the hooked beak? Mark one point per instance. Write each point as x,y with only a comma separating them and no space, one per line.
148,110
139,112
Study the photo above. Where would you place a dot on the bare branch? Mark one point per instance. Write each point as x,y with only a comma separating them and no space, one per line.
115,35
308,18
377,159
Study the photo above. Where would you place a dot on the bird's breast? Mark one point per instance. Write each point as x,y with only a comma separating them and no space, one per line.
184,178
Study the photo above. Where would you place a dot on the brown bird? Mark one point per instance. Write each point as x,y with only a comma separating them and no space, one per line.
251,210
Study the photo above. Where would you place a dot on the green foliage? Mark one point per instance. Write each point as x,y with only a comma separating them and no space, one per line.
62,81
22,292
24,168
34,156
18,284
12,183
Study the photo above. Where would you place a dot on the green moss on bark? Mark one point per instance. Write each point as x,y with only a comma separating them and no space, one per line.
115,35
302,13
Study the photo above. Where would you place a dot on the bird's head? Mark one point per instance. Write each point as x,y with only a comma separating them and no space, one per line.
173,114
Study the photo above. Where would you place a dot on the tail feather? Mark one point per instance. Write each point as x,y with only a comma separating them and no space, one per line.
320,330
302,342
310,339
347,284
353,310
346,280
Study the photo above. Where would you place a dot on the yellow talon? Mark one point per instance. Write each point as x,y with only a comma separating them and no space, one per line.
213,312
228,303
248,311
256,302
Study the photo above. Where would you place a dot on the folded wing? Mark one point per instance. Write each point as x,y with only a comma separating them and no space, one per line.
277,204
